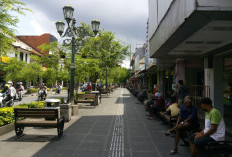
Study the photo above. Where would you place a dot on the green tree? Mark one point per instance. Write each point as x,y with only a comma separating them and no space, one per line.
8,21
13,70
50,76
85,67
58,55
107,49
119,75
30,72
63,75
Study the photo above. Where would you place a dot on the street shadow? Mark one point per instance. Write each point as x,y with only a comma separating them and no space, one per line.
88,106
33,138
88,136
126,95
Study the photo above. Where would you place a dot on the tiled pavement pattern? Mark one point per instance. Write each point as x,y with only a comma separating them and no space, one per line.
118,127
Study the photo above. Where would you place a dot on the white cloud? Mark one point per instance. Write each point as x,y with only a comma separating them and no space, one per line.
37,28
127,18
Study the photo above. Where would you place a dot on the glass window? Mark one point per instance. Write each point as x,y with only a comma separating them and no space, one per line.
21,56
26,58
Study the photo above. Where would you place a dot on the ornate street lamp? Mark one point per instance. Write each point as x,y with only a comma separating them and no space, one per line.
73,32
95,26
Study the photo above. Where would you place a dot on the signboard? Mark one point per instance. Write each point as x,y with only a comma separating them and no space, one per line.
5,59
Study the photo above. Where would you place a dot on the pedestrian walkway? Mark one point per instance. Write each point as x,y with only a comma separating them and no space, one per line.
118,127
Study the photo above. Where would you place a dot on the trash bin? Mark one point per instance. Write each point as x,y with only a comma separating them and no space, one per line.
52,102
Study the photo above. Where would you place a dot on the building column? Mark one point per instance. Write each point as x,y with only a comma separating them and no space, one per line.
180,71
214,79
160,79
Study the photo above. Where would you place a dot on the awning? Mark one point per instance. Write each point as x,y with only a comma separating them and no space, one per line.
152,69
150,66
142,71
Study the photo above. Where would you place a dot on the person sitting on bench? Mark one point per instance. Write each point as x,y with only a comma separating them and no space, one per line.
156,107
173,109
214,128
143,95
187,120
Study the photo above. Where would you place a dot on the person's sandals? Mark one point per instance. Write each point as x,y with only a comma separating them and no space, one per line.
167,133
173,151
150,118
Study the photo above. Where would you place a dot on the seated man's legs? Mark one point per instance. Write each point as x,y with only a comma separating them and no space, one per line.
178,129
199,144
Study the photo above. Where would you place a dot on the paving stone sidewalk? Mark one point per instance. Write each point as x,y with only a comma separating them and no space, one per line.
117,127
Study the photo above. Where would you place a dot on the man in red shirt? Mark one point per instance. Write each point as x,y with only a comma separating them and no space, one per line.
88,87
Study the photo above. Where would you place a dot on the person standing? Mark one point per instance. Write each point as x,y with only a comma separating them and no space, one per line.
182,93
214,128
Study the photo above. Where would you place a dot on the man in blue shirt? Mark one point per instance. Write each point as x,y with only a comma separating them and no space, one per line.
187,120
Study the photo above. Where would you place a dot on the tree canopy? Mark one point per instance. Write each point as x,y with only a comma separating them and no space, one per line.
8,21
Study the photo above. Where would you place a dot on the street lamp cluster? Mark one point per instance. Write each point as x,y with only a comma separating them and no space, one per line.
73,32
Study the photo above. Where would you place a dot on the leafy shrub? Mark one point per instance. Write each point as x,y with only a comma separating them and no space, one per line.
40,104
64,88
75,95
32,90
61,100
7,113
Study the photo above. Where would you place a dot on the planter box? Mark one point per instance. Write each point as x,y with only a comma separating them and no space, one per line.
66,111
75,110
6,128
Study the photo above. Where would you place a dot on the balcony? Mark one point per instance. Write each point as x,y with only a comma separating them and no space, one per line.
189,28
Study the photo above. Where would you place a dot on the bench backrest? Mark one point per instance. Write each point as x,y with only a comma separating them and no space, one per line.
86,96
37,113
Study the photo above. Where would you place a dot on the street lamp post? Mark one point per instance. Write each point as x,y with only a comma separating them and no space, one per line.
73,32
106,81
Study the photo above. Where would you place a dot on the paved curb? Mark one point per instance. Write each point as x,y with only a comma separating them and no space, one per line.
6,128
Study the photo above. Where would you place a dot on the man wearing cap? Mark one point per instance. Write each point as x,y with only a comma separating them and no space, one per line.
10,94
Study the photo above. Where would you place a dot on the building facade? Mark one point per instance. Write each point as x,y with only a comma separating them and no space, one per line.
192,41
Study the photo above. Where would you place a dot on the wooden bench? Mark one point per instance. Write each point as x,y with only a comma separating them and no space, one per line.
219,147
104,91
167,118
111,89
47,117
86,98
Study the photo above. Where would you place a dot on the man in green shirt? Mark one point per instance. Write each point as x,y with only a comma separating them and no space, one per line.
214,128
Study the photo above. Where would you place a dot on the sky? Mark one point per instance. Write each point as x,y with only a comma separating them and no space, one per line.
126,18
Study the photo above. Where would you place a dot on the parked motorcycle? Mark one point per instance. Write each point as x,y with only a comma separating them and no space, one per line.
41,95
20,95
8,103
57,91
1,98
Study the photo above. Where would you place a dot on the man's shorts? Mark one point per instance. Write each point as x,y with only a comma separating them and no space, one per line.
200,143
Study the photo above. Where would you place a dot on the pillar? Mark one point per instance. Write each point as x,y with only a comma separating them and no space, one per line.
213,67
180,71
160,78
